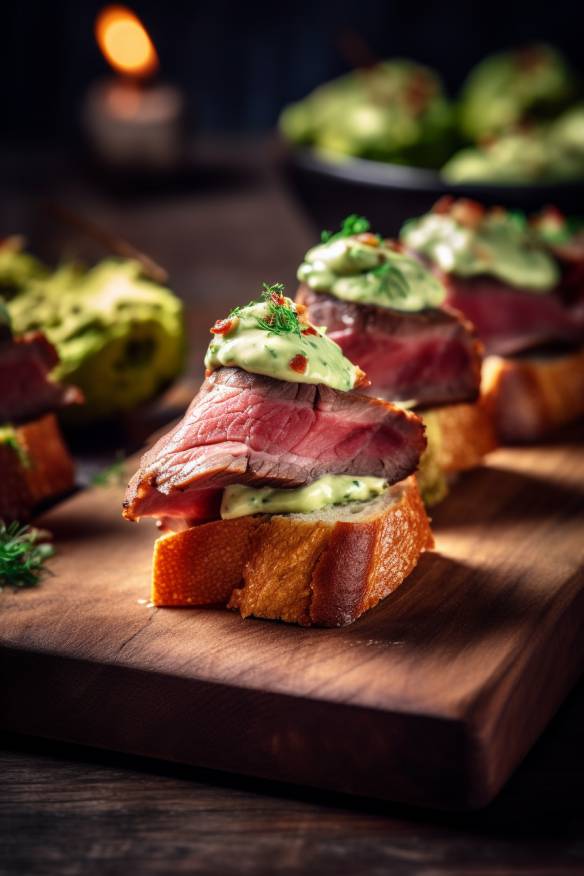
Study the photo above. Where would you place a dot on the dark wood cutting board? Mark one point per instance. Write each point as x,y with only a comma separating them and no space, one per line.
432,698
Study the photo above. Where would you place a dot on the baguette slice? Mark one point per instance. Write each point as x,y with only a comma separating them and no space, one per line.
38,469
532,395
324,568
50,471
459,436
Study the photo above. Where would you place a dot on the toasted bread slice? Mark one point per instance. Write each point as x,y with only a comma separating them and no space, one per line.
50,470
459,436
35,466
529,396
324,568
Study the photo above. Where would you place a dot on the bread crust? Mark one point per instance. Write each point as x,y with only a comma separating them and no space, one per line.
42,470
465,434
51,471
298,568
531,396
364,563
201,565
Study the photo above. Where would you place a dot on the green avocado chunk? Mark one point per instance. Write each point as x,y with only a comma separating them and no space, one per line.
17,267
505,89
120,337
544,153
394,111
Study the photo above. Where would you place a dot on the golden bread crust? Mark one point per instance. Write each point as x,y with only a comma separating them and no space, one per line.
365,562
529,397
294,568
50,471
466,433
39,469
201,565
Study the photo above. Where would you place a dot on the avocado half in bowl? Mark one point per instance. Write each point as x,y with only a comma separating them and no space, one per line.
387,141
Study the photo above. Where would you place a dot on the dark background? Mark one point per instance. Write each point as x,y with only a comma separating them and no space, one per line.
239,62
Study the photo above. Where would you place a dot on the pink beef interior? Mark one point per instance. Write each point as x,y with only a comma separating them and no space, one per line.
26,388
430,357
245,428
510,320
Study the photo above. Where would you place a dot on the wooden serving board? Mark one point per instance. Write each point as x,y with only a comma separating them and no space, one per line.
432,698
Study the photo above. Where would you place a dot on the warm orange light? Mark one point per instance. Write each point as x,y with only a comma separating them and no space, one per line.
125,42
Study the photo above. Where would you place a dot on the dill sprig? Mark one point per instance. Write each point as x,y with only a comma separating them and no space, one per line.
235,311
22,555
351,225
281,318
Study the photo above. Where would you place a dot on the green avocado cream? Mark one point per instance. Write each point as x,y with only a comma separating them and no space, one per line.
370,273
500,246
239,501
270,337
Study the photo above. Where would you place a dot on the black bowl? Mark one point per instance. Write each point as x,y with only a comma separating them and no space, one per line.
388,194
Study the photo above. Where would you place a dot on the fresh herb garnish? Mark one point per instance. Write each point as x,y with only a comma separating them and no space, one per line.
517,218
281,318
112,474
353,224
237,310
22,555
392,280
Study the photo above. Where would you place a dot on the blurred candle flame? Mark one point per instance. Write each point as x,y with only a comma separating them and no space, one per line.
125,42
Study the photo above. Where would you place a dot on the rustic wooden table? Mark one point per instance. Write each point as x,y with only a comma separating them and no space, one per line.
64,810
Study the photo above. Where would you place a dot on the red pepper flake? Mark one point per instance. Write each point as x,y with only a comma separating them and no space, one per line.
309,330
208,372
418,91
468,213
299,363
368,239
361,379
224,326
278,299
530,58
443,205
549,214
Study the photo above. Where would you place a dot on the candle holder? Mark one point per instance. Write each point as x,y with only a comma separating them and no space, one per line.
133,122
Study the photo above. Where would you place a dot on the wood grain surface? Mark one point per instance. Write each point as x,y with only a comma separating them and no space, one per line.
80,812
432,698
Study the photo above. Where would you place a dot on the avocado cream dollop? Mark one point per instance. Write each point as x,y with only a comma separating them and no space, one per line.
272,337
364,269
240,501
499,245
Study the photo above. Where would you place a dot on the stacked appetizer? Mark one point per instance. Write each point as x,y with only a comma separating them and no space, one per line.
288,495
34,462
522,286
385,310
